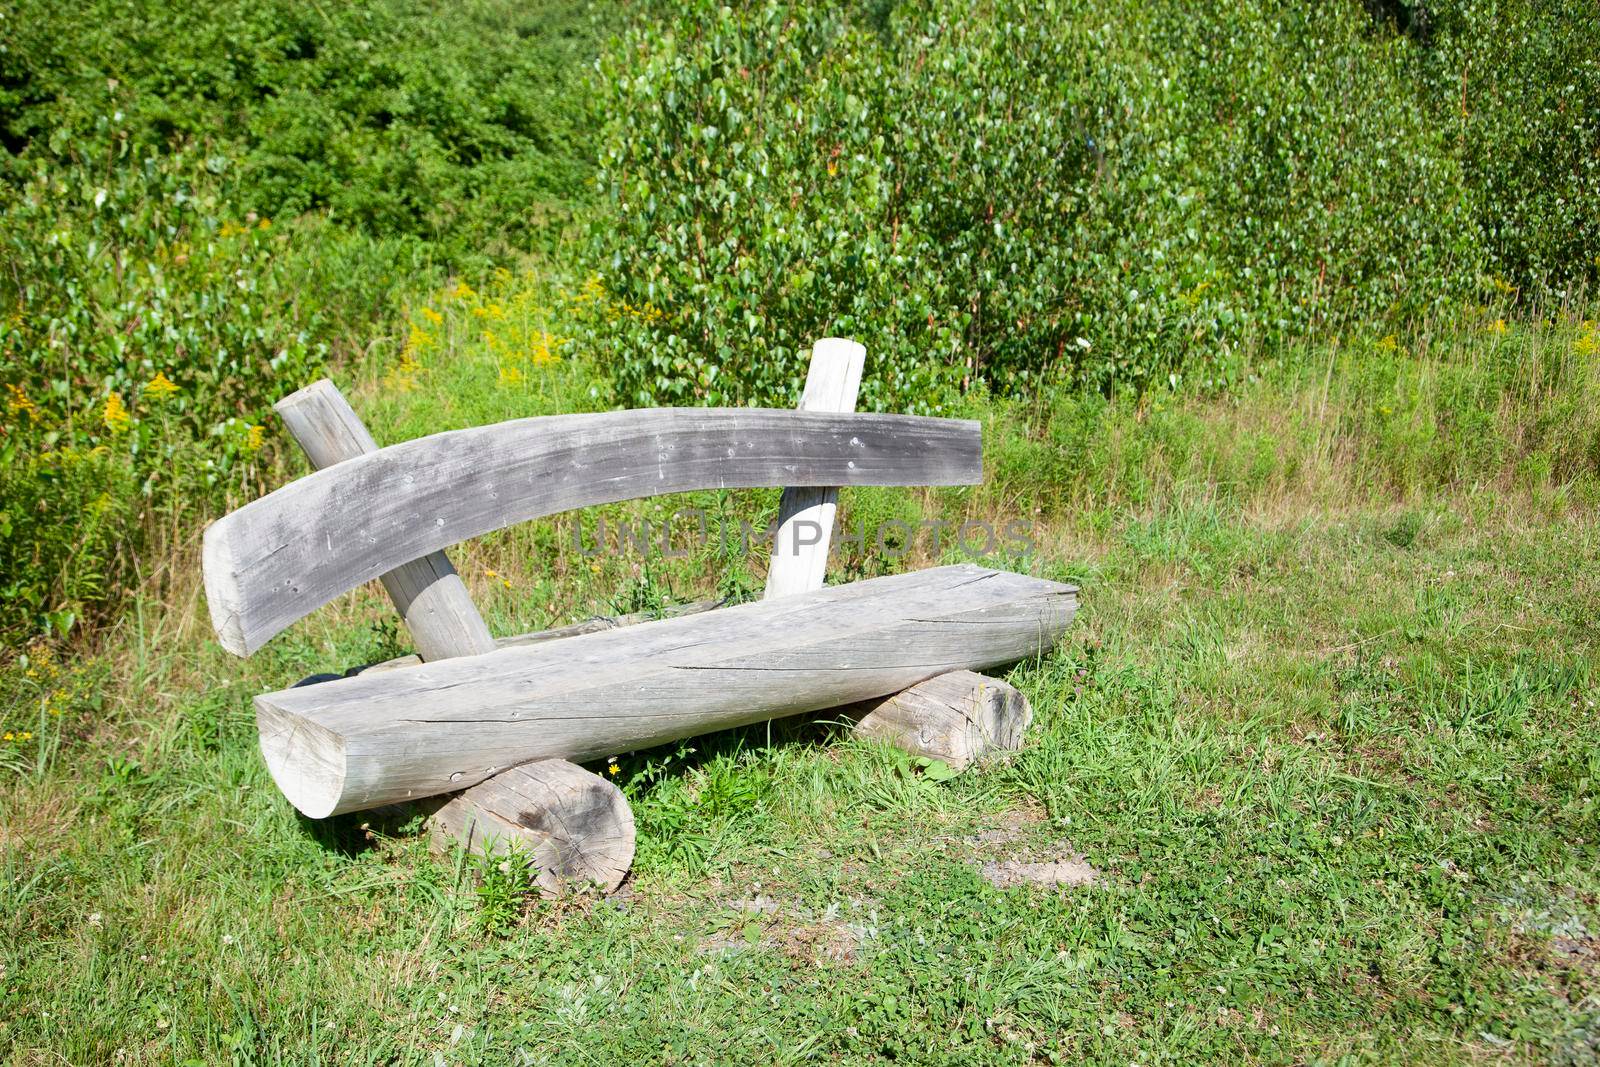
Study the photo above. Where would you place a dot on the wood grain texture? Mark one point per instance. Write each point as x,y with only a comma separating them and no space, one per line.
956,717
805,514
575,825
398,735
598,624
277,559
432,600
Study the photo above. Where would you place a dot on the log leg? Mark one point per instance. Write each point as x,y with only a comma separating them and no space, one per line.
955,717
576,825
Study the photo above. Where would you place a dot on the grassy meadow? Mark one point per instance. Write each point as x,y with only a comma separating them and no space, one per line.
1324,729
1301,388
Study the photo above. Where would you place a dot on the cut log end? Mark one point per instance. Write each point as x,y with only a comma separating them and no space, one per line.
957,717
576,826
306,760
222,593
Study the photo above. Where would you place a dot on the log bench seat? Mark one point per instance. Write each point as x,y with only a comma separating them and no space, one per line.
502,724
434,728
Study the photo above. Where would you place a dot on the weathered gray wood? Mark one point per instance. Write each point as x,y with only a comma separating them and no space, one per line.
805,514
428,593
598,624
397,735
275,560
576,826
955,717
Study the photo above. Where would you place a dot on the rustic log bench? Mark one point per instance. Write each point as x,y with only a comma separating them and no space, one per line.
492,730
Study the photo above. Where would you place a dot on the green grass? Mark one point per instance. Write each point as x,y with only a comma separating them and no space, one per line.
1325,726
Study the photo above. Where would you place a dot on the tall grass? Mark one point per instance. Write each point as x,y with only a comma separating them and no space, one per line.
1482,407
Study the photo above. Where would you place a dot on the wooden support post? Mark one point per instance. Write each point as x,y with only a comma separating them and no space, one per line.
805,514
955,717
427,592
575,822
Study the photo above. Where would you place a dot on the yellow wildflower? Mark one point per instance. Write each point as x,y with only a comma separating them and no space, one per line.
160,386
614,769
40,658
116,414
541,353
404,374
593,291
432,316
264,224
1588,343
1498,326
462,291
254,438
647,312
511,375
21,401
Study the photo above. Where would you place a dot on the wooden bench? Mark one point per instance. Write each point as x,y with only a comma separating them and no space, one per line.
492,730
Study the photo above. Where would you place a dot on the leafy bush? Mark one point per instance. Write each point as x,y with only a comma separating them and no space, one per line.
145,334
1028,192
1516,87
465,131
200,204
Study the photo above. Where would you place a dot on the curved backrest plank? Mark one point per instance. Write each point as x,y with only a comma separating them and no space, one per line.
283,556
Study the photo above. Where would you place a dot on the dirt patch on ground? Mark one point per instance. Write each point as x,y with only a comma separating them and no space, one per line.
1004,867
835,934
824,939
1579,953
1011,827
1064,870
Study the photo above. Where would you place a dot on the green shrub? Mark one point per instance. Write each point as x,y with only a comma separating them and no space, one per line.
464,131
1050,192
1515,86
145,334
201,204
64,511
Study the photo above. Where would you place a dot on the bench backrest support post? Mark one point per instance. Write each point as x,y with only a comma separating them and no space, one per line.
799,563
428,593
